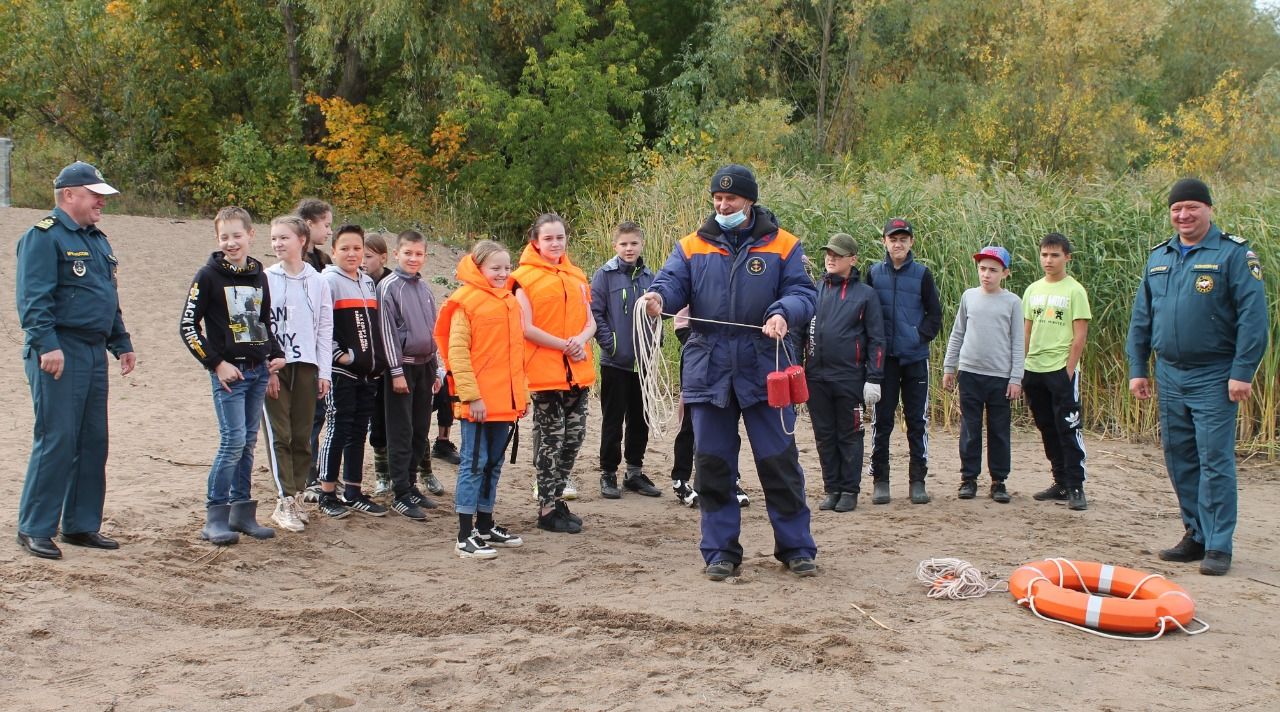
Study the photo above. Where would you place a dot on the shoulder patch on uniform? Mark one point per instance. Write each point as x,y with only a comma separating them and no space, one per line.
1162,244
46,223
1235,238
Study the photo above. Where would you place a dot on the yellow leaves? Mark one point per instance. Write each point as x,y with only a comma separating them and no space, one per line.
1201,136
118,8
373,169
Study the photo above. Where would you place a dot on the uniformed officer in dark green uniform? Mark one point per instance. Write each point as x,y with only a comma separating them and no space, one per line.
70,313
1202,309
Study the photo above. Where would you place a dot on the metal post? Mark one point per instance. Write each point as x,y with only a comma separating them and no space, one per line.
6,193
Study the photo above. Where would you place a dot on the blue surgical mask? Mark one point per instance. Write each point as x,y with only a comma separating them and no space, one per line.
729,222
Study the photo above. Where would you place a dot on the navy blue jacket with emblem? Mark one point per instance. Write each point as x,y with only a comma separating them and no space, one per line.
66,286
614,290
910,306
743,277
1202,308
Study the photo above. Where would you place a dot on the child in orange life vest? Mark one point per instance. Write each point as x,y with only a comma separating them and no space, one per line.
555,305
481,337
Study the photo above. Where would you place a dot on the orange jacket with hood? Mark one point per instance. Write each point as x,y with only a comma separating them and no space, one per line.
561,299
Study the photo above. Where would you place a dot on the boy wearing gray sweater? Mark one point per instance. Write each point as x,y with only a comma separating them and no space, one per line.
984,354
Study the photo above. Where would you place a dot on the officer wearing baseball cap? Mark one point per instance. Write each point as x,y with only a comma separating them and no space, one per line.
70,315
1202,309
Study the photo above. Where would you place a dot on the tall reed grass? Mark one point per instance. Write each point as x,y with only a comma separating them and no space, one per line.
1112,224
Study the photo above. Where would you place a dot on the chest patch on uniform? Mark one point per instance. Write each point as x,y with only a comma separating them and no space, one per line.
1204,284
78,268
81,253
755,265
1158,270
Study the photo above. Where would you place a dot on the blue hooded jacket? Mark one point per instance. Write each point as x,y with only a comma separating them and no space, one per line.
614,290
762,276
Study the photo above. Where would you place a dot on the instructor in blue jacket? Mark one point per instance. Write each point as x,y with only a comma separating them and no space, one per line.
1202,309
740,268
70,315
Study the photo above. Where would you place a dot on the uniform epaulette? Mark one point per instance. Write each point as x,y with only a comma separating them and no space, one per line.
1235,238
46,223
1162,244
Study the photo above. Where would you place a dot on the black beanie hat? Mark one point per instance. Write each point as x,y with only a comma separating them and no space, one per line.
1190,189
736,179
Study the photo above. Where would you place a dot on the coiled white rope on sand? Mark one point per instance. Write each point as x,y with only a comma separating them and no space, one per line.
955,579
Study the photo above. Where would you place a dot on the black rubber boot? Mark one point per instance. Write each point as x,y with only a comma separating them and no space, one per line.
215,529
917,472
880,493
244,519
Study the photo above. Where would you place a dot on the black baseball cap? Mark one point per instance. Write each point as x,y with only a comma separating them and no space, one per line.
898,225
82,174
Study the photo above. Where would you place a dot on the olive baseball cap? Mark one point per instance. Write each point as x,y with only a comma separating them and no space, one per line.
842,245
82,174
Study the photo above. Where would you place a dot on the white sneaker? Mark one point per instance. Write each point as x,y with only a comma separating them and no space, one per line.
475,548
570,488
299,510
284,516
383,486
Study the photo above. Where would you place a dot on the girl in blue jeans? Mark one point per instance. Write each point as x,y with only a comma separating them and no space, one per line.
226,324
480,334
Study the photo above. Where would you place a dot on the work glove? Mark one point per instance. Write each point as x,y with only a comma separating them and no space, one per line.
871,394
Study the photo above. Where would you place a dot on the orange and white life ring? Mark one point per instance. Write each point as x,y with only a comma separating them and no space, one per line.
1135,601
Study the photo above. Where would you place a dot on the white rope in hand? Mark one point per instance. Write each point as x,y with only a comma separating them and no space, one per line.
955,579
658,393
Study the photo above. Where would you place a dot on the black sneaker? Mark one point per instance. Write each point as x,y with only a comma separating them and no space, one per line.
362,504
445,450
330,506
743,499
406,507
999,493
968,489
802,567
685,493
555,521
1056,492
563,507
640,483
609,486
721,570
1076,500
417,497
1184,551
499,536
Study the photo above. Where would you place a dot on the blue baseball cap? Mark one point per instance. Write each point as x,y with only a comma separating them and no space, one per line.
993,252
82,174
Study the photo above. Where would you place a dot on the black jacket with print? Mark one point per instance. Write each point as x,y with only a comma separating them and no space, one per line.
227,316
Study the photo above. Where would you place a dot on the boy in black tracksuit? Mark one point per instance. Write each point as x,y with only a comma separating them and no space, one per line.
844,366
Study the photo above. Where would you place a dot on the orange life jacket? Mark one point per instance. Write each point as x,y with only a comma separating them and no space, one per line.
497,346
561,301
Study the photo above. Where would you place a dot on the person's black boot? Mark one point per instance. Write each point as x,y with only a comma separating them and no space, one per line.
1184,551
244,519
1216,563
829,502
847,503
880,492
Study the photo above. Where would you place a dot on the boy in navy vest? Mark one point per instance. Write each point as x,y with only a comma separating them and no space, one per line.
912,318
